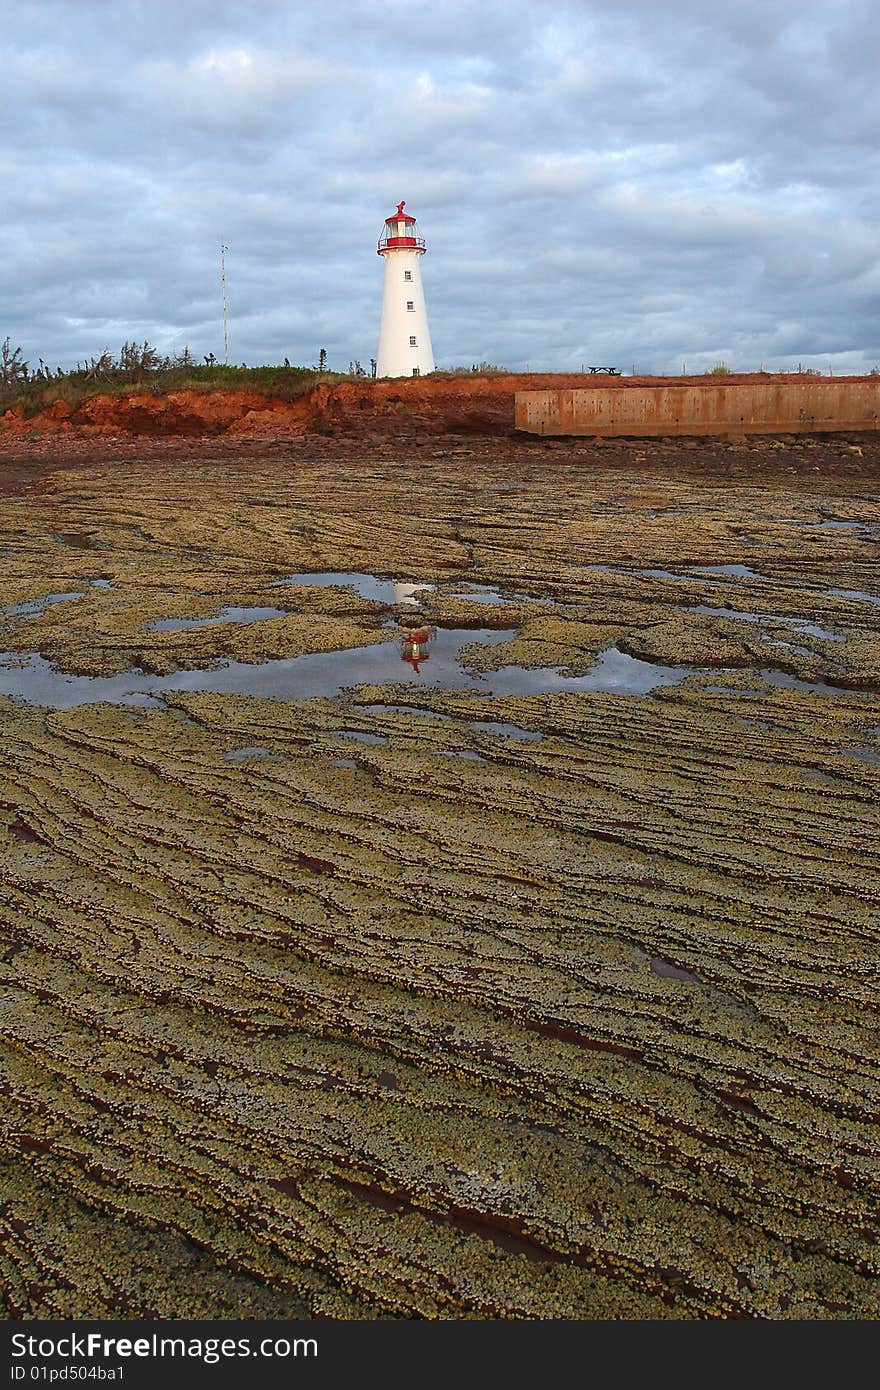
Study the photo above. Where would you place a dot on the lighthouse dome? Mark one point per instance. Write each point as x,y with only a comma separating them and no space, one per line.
400,232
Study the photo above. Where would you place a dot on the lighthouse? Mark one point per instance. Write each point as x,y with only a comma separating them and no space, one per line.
404,338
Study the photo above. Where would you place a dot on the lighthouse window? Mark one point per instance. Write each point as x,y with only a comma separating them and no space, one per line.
412,340
407,275
410,304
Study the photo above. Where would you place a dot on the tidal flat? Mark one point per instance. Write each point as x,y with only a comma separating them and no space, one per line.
534,976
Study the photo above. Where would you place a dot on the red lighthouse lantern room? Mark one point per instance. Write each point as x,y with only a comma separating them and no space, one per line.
400,233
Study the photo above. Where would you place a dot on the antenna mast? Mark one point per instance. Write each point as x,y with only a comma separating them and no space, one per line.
223,250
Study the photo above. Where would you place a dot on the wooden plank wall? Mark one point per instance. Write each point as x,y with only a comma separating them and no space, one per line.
751,408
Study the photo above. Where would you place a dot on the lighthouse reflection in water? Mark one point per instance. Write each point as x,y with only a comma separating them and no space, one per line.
406,595
414,645
415,637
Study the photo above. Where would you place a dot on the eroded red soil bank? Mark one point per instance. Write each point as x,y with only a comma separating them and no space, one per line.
482,405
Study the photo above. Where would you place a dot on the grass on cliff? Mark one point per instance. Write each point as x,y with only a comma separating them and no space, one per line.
75,387
139,368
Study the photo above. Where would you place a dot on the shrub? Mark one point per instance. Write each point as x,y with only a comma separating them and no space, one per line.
139,365
13,370
480,369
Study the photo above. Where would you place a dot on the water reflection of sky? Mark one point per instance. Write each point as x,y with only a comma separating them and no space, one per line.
226,615
369,586
731,571
797,624
402,592
35,607
327,673
858,594
489,593
33,679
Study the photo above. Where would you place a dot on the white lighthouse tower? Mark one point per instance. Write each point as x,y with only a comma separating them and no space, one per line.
404,338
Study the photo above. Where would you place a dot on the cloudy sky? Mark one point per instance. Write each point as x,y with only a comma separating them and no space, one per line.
637,183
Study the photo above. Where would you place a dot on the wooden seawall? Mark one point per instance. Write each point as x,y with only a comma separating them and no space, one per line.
743,408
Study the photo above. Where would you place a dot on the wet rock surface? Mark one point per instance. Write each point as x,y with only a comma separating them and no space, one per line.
317,1008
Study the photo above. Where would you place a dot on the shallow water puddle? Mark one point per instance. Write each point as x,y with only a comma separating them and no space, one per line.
613,673
488,726
489,593
226,615
32,678
862,755
432,661
35,680
866,528
690,573
20,831
858,594
361,736
370,586
668,971
241,755
788,646
797,624
399,592
36,607
731,571
695,572
784,682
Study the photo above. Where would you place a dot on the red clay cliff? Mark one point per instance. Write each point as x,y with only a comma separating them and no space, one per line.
480,405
